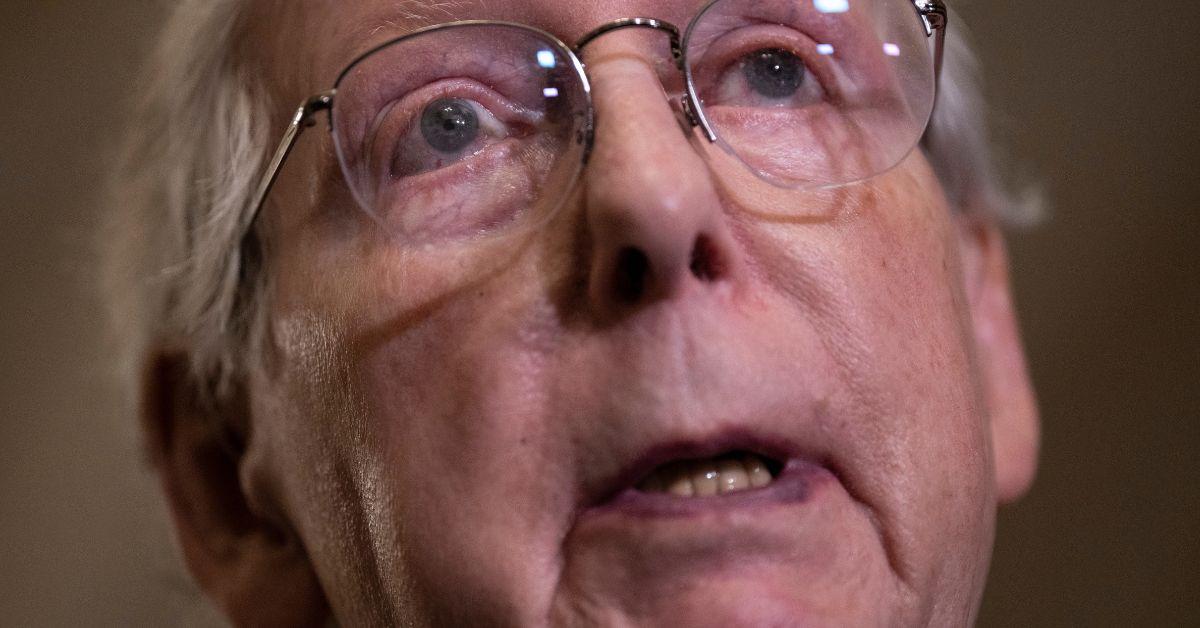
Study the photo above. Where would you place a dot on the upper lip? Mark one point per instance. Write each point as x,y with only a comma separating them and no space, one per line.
774,447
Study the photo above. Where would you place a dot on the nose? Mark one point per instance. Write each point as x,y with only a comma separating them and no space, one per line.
655,219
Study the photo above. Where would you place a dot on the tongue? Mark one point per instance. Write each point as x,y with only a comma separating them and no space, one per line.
727,473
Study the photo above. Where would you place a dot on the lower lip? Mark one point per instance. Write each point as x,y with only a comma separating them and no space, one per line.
795,485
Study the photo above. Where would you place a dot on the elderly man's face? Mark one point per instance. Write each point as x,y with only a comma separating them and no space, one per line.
492,434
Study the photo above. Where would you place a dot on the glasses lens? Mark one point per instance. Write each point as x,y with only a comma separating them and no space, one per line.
461,131
813,93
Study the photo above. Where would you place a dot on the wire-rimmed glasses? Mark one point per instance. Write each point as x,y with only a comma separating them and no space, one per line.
467,128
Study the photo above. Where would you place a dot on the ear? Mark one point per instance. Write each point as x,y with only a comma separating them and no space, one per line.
1006,385
255,570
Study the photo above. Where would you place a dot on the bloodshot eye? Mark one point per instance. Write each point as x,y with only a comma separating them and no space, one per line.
449,125
773,72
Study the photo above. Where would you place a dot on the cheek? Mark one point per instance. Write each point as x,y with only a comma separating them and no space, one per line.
445,374
413,386
916,318
311,430
906,267
448,341
882,282
456,404
420,453
881,286
921,316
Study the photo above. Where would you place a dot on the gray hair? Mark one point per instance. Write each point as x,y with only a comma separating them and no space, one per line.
177,275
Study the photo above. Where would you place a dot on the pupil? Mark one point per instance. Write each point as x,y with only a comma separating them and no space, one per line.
774,73
449,124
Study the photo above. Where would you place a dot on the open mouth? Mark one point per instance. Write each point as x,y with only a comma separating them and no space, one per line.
728,472
731,472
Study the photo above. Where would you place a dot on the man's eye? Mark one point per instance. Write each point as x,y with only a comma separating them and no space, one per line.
449,125
442,132
763,76
773,72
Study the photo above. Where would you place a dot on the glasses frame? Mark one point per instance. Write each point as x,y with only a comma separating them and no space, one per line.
932,14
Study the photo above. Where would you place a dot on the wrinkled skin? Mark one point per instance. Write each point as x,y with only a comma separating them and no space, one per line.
425,442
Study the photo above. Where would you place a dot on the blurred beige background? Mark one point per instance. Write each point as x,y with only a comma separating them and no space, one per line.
1099,98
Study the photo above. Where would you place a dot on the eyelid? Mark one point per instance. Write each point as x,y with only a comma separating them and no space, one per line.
398,118
732,46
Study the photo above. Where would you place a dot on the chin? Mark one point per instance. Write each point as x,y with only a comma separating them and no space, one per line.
752,595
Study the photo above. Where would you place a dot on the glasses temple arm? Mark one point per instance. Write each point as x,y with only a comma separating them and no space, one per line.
934,17
305,117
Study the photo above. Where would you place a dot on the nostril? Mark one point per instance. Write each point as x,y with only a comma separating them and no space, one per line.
635,275
706,263
632,273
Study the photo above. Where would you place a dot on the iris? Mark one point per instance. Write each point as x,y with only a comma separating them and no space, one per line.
449,124
773,73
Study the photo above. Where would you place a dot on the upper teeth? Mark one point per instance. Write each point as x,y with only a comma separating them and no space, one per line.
711,476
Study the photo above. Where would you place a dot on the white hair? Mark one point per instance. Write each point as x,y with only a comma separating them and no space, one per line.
194,152
178,274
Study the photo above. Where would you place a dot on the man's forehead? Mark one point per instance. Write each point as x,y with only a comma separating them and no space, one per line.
328,34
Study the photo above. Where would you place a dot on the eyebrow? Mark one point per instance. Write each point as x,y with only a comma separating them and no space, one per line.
399,18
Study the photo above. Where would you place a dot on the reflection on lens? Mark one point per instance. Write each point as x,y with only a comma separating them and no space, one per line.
813,94
461,130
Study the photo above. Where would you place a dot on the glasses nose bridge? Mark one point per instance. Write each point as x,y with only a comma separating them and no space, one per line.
672,32
690,116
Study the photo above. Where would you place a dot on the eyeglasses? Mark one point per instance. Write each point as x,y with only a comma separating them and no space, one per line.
468,128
